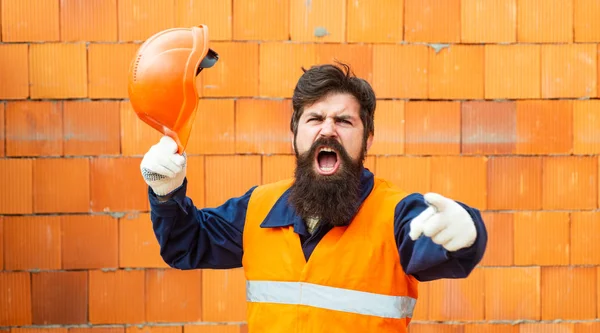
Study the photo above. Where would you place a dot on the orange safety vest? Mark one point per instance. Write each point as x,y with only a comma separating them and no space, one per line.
352,282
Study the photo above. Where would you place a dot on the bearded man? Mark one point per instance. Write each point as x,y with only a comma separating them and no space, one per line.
333,249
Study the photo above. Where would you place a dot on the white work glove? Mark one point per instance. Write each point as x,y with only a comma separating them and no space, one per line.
446,222
162,168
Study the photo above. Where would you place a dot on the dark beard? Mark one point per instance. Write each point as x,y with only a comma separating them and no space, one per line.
334,199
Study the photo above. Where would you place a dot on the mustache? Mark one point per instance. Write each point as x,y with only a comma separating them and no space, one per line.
328,142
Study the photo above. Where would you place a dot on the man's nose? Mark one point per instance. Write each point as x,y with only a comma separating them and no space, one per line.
328,129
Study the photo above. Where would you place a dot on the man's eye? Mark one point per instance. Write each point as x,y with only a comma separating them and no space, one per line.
346,122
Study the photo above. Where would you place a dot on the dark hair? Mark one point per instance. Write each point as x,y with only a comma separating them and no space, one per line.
321,80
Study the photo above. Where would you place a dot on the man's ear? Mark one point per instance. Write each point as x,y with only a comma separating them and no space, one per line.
292,142
369,141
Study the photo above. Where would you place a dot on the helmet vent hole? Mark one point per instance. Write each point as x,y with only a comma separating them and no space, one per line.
135,67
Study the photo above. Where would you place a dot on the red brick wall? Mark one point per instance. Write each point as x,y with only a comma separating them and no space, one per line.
490,102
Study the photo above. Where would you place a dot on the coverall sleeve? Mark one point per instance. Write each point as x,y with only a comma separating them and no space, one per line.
426,260
192,238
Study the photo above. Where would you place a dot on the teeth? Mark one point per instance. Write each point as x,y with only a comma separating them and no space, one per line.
327,149
326,169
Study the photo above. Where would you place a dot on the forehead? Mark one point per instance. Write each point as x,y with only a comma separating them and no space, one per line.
335,104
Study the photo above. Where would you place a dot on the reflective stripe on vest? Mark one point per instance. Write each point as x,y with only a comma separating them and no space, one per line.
331,298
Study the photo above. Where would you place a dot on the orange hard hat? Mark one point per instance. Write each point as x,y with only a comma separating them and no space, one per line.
162,80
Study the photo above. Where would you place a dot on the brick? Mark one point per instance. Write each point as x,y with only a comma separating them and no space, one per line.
568,293
15,71
91,128
515,183
546,327
513,71
457,72
108,68
1,243
545,21
89,241
139,19
59,298
214,128
401,71
58,71
541,238
410,173
224,79
544,127
458,299
500,246
488,128
389,128
432,128
16,174
460,178
421,311
138,246
277,167
219,328
30,21
254,118
570,182
136,136
261,20
230,176
318,21
32,242
33,128
91,21
109,191
154,329
223,295
281,66
521,301
569,71
39,330
377,21
491,328
358,56
195,177
173,295
116,297
97,329
586,27
586,127
432,21
586,327
585,238
216,15
54,179
15,298
435,327
2,139
488,21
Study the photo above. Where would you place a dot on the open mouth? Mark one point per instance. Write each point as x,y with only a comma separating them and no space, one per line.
327,161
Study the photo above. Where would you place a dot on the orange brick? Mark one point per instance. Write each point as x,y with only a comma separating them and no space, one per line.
214,128
545,21
488,21
108,67
358,56
154,329
233,75
318,21
437,328
421,311
411,174
491,328
541,238
32,242
389,129
569,70
173,295
585,238
1,243
512,71
586,127
432,21
568,293
500,246
223,295
586,327
230,176
432,128
460,178
15,71
116,297
116,184
488,128
216,15
2,140
263,126
458,299
544,127
136,136
30,21
457,72
515,183
53,178
586,27
140,19
261,20
58,70
89,241
15,298
39,330
522,300
281,66
34,128
400,71
16,174
91,21
59,298
546,327
219,328
138,246
376,21
277,167
195,177
570,182
91,128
